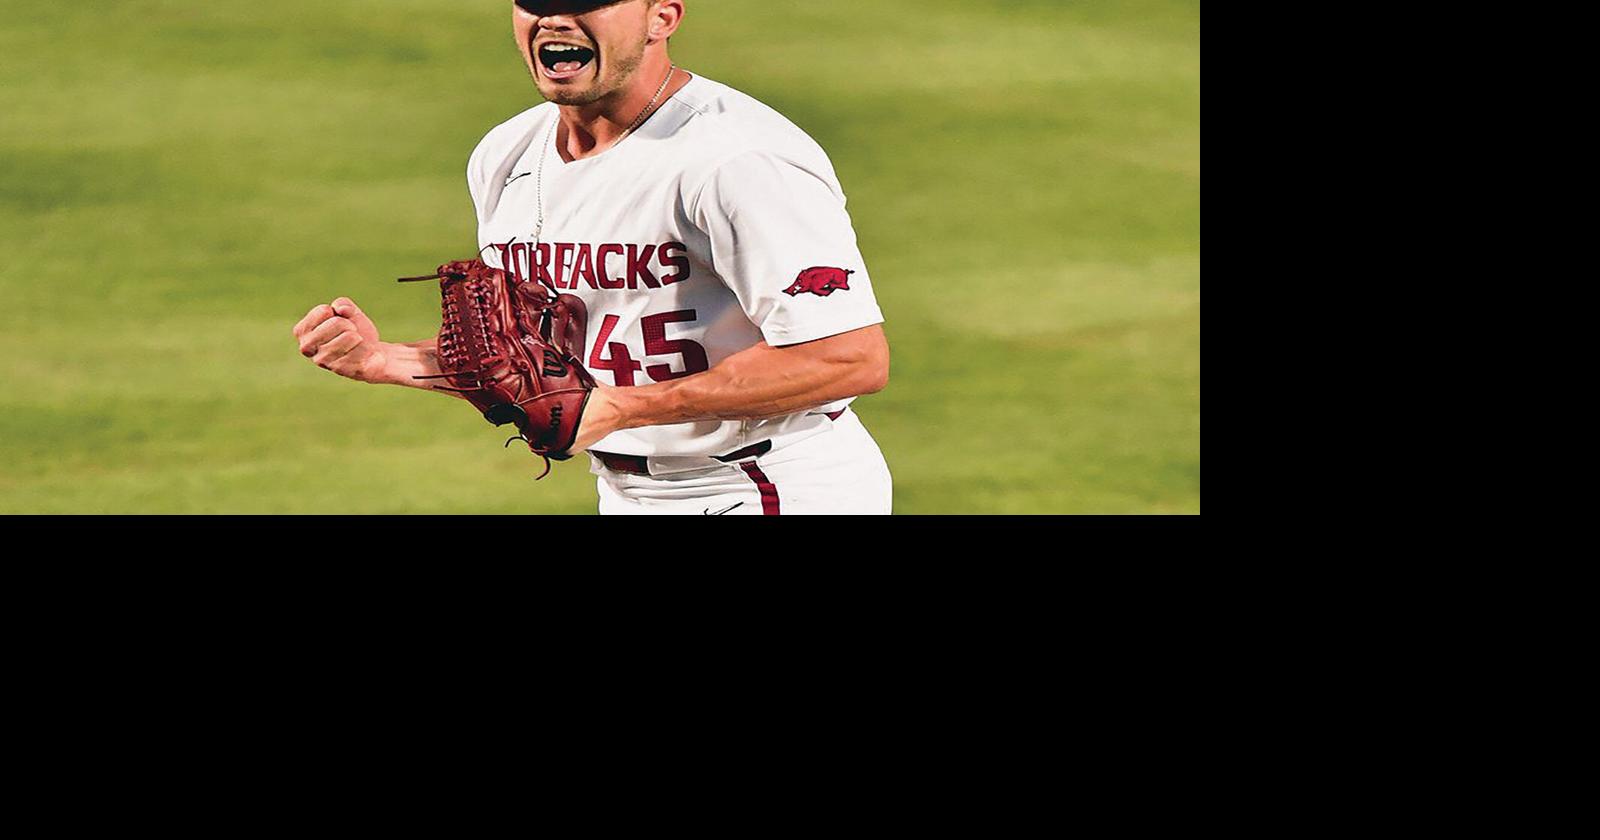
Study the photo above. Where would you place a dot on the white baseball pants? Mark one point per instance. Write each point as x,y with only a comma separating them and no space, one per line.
838,471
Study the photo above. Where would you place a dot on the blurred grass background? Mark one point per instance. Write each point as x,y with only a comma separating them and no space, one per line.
181,180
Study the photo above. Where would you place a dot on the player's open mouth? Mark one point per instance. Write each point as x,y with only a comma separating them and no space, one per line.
563,61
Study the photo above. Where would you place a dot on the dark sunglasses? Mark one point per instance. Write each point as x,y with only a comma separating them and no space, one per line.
561,7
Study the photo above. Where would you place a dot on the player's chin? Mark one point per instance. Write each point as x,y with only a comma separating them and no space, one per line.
568,94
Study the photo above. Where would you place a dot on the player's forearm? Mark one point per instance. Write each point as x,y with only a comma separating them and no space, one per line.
760,382
409,360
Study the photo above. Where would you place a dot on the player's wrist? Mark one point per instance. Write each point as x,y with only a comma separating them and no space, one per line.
402,363
598,420
605,414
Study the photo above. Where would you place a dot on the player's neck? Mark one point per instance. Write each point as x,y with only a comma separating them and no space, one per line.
588,130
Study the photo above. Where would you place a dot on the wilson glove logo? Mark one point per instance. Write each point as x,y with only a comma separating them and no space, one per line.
820,280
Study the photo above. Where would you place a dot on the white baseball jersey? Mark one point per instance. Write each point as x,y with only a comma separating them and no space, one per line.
717,225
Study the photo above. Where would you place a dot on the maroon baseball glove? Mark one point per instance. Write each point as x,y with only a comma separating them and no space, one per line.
512,350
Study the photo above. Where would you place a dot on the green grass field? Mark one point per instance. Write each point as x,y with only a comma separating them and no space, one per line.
180,180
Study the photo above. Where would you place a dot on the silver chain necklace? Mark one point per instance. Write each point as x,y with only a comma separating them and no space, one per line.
549,141
538,227
671,69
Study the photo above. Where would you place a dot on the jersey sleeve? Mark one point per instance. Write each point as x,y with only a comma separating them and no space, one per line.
478,177
783,243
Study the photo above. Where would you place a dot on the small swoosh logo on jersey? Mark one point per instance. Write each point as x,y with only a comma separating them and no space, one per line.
724,510
515,177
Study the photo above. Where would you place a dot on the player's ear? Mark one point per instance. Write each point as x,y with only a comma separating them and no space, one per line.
665,15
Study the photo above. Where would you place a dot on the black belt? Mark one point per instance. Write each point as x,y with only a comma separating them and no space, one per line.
638,464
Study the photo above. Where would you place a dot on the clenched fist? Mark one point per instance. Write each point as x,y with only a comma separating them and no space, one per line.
341,338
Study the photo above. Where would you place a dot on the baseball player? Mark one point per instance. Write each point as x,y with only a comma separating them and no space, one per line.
731,318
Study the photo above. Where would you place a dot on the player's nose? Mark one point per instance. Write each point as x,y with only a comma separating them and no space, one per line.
555,24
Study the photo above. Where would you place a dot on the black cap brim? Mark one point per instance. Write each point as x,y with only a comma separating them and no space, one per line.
562,7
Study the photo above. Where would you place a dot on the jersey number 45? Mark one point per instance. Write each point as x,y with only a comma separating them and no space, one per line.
622,365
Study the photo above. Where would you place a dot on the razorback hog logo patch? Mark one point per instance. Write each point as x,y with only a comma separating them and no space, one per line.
821,280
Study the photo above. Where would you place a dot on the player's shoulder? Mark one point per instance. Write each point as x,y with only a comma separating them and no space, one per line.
722,123
514,131
731,108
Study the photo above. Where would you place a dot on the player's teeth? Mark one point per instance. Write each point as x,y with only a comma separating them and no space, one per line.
564,58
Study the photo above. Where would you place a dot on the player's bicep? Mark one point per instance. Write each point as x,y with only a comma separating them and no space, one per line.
865,348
